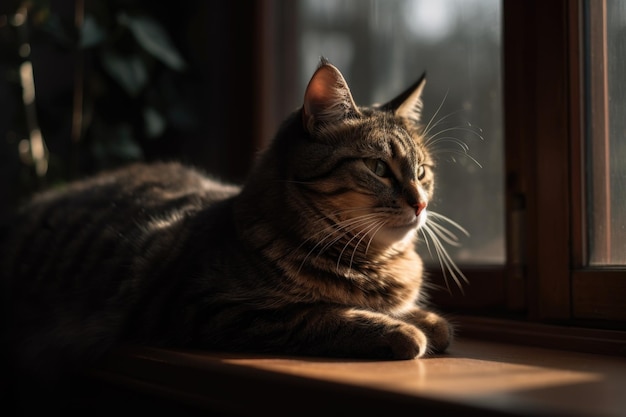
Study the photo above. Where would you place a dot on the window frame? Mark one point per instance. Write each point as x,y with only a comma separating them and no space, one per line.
545,84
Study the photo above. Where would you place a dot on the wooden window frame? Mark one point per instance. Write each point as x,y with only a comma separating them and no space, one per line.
546,130
598,293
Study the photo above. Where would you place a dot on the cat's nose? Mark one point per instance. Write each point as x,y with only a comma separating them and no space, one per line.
419,207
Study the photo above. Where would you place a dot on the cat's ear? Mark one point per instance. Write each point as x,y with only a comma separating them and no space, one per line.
408,104
327,98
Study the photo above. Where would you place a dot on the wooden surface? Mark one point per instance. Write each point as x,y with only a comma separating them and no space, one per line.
475,378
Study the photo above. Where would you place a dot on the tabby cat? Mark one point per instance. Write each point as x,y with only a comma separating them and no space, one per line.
314,255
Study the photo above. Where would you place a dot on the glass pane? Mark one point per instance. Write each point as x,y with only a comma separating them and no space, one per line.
382,47
606,59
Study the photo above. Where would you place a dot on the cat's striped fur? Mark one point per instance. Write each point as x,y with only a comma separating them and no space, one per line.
315,255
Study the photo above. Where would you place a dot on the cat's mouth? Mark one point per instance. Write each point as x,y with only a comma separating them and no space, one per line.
403,229
411,224
409,221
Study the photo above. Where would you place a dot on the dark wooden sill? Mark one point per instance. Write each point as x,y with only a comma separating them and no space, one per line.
568,337
475,378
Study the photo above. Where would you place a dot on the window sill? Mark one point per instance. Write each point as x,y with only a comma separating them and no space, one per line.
474,378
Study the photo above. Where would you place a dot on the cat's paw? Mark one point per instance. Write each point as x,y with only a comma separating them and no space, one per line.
375,335
439,332
360,333
405,342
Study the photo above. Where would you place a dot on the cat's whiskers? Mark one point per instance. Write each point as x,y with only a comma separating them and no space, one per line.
463,148
375,224
330,224
374,230
444,233
436,232
448,139
431,140
430,125
435,215
369,242
454,128
341,229
347,227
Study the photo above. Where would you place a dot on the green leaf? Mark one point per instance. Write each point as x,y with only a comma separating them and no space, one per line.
154,122
91,33
154,39
115,143
129,71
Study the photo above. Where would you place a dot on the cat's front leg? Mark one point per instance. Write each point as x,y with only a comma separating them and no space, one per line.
438,330
324,330
318,330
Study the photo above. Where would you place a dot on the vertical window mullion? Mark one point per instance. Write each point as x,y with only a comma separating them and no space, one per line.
517,51
598,114
538,125
578,125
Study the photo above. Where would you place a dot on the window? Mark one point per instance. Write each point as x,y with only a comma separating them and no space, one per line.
384,47
381,47
544,82
598,284
606,22
547,109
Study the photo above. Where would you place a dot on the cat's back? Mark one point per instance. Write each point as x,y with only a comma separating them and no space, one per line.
97,222
76,261
141,184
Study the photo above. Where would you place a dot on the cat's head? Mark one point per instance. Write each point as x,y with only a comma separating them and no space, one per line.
366,168
346,183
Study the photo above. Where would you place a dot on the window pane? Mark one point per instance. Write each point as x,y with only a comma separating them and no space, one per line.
607,135
382,47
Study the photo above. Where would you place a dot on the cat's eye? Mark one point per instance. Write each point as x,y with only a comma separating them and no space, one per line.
421,172
378,167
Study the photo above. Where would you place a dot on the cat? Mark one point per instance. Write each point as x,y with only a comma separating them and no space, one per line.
314,255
